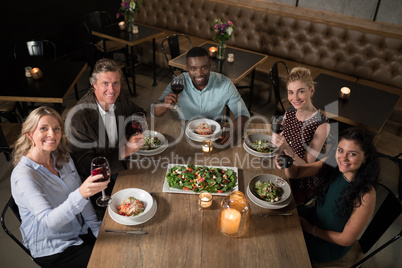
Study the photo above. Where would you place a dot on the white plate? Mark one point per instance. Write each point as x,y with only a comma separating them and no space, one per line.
199,138
131,221
167,189
158,150
267,205
275,180
247,145
192,125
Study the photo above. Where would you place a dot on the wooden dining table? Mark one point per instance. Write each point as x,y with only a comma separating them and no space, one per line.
182,235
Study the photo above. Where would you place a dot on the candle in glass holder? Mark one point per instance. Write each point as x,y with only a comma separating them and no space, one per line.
206,146
230,57
230,221
122,25
36,73
28,71
135,29
344,93
212,52
205,200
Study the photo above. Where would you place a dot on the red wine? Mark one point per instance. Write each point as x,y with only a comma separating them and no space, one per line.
277,128
177,88
103,171
132,128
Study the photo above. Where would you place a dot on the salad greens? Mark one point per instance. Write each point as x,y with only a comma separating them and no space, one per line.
151,143
201,178
268,191
262,146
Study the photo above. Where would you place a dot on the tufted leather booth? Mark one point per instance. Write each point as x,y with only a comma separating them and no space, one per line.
357,52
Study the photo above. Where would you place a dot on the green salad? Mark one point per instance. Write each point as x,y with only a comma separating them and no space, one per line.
262,146
201,178
151,143
268,191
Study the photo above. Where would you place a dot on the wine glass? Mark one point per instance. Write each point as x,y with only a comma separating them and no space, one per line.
277,124
137,125
100,165
177,86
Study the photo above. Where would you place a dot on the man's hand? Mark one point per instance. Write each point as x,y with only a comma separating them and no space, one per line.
131,146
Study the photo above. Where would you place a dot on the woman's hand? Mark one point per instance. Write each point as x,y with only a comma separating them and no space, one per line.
90,187
279,141
306,226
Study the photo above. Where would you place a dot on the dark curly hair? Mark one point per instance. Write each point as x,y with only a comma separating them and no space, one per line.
365,179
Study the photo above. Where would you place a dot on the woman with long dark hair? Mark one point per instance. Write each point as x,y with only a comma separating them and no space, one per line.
345,196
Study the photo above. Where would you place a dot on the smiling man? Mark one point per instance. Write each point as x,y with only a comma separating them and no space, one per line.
205,94
95,126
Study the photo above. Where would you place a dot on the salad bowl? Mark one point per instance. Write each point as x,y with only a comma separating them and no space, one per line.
277,181
257,143
150,147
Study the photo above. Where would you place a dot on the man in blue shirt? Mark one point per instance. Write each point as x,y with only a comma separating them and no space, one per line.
205,94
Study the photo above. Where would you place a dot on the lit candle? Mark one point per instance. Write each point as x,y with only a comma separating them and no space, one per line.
212,51
206,146
230,221
122,25
36,73
230,57
135,29
205,200
344,93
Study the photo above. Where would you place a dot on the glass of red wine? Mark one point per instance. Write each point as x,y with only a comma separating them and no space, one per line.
100,165
137,125
277,124
177,86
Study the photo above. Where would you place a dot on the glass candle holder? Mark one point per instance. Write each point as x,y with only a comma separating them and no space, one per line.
204,200
36,73
234,215
122,25
135,29
28,71
344,93
212,52
230,57
207,147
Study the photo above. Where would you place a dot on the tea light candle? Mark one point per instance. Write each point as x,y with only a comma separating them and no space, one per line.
36,73
205,200
122,25
230,57
230,221
135,29
212,52
28,71
206,146
344,93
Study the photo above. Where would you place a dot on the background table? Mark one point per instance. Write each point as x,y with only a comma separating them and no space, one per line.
59,78
366,107
245,63
146,33
180,235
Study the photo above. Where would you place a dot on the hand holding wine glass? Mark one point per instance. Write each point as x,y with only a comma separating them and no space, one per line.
100,165
177,86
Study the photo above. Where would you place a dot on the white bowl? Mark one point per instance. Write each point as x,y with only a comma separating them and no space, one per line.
192,125
278,181
120,196
248,145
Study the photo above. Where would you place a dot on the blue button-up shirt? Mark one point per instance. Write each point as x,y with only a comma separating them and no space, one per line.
53,211
209,102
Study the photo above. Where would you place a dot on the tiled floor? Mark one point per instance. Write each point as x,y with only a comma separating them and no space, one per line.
12,256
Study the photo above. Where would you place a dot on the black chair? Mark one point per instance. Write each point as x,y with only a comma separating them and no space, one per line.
389,210
13,206
9,133
274,77
41,49
174,48
8,110
96,21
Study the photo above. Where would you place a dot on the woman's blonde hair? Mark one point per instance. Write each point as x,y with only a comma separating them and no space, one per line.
23,144
300,73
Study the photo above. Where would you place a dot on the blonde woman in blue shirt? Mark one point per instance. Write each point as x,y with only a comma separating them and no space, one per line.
56,214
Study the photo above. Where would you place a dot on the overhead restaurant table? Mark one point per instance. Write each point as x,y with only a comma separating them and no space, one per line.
366,107
146,33
245,62
59,78
181,235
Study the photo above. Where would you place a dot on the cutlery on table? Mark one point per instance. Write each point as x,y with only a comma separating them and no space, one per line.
126,232
276,214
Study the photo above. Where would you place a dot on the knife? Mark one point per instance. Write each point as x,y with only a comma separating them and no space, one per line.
277,214
126,232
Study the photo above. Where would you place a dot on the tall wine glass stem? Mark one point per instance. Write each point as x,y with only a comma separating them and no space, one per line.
103,200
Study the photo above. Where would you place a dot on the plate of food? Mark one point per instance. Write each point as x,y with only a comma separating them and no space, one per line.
203,129
269,190
260,145
192,179
155,143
